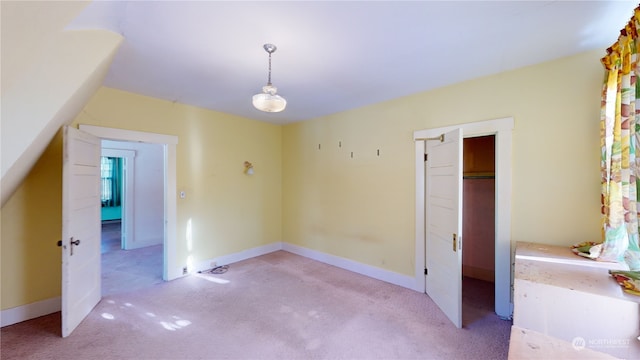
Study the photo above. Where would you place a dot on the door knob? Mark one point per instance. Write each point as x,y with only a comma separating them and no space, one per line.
455,242
73,242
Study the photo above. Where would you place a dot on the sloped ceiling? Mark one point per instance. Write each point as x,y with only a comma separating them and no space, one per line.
336,55
48,75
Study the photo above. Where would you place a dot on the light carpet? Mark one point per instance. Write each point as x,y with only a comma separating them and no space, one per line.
276,306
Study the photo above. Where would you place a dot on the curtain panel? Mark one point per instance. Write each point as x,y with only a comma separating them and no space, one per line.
111,169
619,139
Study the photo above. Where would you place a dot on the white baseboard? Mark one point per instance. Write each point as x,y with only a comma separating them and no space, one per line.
45,307
406,281
239,256
30,311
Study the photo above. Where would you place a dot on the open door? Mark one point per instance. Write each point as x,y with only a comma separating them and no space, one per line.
444,224
80,227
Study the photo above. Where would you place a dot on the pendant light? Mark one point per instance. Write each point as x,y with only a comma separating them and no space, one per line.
268,100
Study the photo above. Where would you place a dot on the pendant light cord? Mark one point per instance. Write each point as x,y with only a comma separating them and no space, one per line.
269,79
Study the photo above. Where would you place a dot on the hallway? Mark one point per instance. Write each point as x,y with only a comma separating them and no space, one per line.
127,270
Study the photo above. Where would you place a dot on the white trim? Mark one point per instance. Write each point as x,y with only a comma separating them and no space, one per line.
128,135
168,142
45,307
480,128
170,214
239,256
118,153
353,266
343,263
502,129
30,311
421,226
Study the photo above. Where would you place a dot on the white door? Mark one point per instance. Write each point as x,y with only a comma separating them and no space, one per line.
80,227
444,224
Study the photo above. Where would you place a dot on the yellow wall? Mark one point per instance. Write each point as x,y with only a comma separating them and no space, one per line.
31,226
362,208
229,211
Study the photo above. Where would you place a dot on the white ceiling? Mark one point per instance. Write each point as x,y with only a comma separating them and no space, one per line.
336,55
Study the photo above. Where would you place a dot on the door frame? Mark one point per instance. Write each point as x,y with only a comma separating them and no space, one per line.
502,129
170,269
128,205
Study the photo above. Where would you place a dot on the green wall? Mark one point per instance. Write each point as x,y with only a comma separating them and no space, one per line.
111,213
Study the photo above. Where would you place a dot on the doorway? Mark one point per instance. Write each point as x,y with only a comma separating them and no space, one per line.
81,277
502,130
111,202
478,227
171,269
132,216
120,219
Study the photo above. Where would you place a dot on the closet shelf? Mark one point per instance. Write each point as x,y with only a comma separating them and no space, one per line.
479,175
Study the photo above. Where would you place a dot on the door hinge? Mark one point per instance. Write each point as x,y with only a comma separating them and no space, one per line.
426,156
426,272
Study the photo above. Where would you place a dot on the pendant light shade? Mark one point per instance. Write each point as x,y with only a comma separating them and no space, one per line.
268,100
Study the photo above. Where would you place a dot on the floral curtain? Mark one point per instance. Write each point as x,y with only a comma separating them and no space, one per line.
619,139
